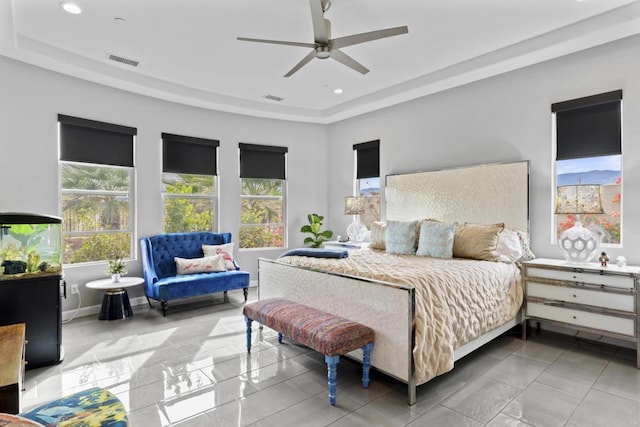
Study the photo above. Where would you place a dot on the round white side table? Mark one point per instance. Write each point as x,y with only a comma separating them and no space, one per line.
115,304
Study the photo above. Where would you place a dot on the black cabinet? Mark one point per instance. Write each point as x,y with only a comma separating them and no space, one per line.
36,302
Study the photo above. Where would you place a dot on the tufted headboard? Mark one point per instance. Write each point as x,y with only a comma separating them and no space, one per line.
482,194
158,252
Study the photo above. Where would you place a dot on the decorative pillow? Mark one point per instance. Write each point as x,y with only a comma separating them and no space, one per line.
225,250
509,248
378,234
206,264
477,241
436,239
401,237
525,243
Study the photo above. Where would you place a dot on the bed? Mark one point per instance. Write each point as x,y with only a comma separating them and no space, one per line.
421,330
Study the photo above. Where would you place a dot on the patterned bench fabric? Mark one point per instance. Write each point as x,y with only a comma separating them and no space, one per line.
95,407
329,334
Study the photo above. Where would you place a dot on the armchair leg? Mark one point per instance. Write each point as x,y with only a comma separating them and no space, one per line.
149,301
245,291
165,307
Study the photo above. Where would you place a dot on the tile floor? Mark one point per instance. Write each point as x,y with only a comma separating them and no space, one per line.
192,369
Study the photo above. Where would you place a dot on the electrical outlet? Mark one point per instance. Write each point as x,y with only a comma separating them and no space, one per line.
74,289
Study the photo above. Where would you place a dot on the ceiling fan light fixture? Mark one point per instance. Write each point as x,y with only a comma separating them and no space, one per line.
323,52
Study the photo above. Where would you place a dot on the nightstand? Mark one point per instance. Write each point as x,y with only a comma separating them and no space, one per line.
586,297
345,245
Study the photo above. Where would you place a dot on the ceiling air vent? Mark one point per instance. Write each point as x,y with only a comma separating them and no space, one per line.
122,60
273,98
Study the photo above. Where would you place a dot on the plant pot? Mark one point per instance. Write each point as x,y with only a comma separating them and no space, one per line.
115,278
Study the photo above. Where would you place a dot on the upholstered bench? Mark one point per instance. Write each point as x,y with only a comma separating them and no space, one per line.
93,407
330,335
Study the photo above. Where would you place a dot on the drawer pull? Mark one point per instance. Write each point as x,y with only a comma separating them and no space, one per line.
574,296
574,317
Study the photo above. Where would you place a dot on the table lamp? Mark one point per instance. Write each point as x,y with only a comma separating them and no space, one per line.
354,205
579,244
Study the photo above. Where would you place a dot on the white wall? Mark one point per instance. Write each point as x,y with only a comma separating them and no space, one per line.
31,98
505,118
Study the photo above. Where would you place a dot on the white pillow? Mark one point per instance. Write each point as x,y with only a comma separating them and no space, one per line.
225,250
206,264
509,248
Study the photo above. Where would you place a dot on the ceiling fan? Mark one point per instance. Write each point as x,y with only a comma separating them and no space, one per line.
324,46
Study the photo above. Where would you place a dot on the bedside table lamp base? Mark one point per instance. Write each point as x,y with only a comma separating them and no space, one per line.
357,231
578,244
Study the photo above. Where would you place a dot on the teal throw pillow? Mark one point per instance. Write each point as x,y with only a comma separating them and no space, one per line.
436,239
401,237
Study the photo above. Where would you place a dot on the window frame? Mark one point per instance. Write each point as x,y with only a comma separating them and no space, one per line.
263,162
133,253
92,143
215,199
365,163
587,102
192,156
282,224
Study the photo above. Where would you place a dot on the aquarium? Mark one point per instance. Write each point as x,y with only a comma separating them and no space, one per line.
30,246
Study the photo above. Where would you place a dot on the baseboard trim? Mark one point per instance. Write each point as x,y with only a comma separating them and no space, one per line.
95,309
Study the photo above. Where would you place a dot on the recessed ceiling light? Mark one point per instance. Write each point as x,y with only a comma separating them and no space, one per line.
70,7
119,20
337,91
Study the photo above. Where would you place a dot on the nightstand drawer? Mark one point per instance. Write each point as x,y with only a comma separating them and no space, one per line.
596,298
570,316
613,281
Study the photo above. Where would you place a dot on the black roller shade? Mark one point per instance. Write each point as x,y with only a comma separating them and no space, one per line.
368,159
90,141
186,154
262,161
589,127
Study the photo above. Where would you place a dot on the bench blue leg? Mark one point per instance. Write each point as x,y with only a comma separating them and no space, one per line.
248,321
332,366
366,364
279,338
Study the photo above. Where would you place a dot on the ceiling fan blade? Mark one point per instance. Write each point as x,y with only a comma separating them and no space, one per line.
345,59
365,37
300,64
245,39
320,30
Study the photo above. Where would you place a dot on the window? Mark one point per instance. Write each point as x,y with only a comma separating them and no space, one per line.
589,151
96,181
189,187
262,176
368,179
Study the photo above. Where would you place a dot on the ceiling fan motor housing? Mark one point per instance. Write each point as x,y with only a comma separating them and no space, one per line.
323,52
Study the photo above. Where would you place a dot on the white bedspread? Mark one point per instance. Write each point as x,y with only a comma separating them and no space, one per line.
457,300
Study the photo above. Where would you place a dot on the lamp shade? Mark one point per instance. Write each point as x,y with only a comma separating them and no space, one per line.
579,199
354,205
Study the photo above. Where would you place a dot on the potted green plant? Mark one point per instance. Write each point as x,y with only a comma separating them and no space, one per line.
116,268
314,226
